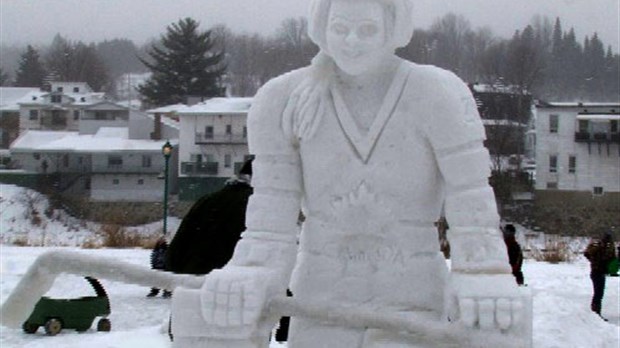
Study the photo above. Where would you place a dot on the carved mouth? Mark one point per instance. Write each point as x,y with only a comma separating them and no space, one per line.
352,54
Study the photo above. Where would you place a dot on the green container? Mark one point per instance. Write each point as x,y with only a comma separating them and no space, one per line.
79,313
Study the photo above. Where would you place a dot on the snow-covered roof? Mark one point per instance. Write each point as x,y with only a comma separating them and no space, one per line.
38,98
496,88
9,96
493,122
235,105
107,139
166,109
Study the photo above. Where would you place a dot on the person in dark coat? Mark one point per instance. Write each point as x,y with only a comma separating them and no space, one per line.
209,232
158,261
211,229
600,253
515,254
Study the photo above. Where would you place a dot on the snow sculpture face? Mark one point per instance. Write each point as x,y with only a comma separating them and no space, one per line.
356,35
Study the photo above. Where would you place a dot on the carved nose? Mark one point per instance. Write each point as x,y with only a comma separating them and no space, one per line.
352,38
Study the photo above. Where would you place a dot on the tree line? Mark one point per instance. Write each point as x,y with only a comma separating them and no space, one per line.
542,59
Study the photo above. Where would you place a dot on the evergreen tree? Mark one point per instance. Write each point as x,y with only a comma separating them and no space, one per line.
4,78
185,63
30,72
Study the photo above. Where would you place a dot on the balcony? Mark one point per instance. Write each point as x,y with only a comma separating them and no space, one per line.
202,138
200,168
54,122
581,137
598,137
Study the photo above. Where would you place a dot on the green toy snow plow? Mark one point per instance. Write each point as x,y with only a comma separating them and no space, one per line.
79,313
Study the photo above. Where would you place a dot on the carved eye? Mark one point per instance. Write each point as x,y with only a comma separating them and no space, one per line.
367,31
339,29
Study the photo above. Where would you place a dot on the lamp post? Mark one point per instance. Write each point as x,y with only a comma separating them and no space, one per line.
166,151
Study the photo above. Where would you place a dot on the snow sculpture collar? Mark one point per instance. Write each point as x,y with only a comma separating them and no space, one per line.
365,143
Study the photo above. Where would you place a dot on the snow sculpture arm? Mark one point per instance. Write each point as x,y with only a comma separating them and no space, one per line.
481,293
233,299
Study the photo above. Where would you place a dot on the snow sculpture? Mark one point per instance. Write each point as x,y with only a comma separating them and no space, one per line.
371,148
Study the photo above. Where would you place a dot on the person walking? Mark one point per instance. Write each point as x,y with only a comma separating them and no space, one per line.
158,258
515,254
600,253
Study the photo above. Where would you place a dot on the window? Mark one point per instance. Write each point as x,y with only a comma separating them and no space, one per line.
59,89
228,129
614,126
196,158
210,157
146,161
209,132
584,126
34,115
140,181
65,160
554,122
115,182
36,156
100,115
572,164
552,185
56,98
76,114
553,164
245,132
227,161
115,161
597,190
76,89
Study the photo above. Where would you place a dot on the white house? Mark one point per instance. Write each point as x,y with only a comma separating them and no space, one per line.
105,166
577,150
57,109
213,143
9,118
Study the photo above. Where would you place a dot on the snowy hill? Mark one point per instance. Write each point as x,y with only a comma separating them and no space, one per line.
26,219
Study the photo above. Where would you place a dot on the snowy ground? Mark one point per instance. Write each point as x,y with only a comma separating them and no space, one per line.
562,293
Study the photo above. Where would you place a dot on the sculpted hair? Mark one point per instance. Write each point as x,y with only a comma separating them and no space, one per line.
398,15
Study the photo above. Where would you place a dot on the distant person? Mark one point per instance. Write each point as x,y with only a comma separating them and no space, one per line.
614,265
515,254
211,229
600,253
158,261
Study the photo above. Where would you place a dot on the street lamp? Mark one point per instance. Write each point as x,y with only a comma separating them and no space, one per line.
166,151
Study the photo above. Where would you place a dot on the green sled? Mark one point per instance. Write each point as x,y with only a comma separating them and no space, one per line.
78,314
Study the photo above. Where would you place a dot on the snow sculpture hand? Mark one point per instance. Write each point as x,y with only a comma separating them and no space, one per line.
233,302
489,302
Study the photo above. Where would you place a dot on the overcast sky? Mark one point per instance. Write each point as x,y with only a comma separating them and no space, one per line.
37,21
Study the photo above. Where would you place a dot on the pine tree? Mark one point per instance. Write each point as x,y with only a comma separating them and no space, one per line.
4,78
30,72
184,64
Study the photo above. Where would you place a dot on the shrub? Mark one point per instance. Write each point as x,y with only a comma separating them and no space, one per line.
91,244
116,236
555,251
22,242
